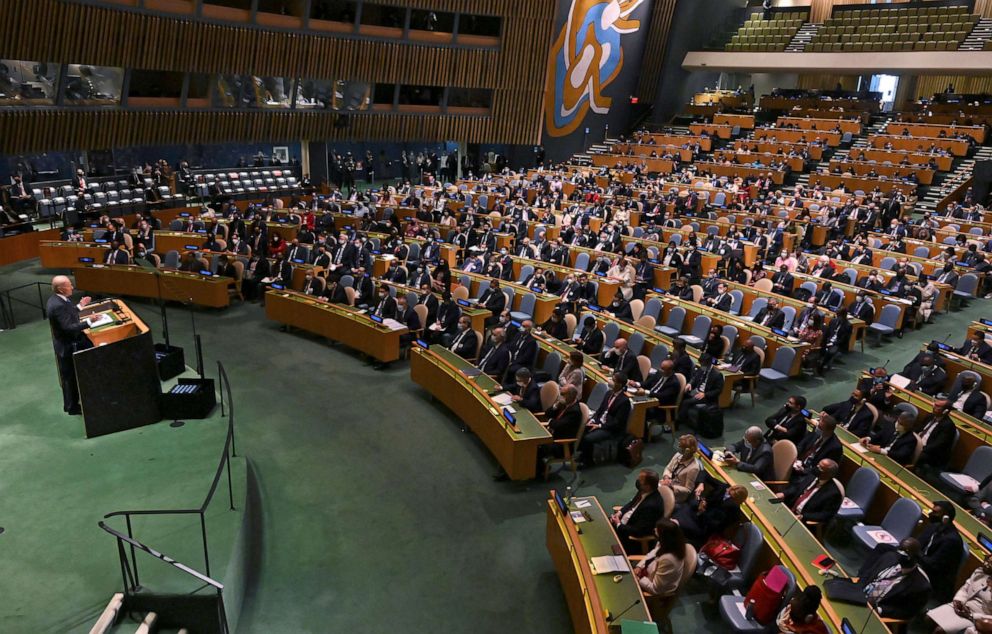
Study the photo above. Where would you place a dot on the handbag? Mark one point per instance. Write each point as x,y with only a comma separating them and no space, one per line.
722,552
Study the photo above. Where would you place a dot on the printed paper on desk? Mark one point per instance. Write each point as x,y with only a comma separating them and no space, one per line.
577,517
964,481
859,447
392,324
503,399
758,485
882,537
899,381
583,504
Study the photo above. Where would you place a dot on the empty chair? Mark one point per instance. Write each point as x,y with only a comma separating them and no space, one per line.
978,467
483,287
673,325
885,324
852,275
700,328
860,491
171,260
582,261
734,614
781,365
730,332
887,263
756,307
596,396
738,300
658,354
790,316
898,523
750,541
652,308
965,288
759,341
525,271
635,343
526,308
347,281
809,287
922,252
610,333
551,367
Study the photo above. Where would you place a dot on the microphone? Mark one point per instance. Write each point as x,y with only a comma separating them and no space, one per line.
611,618
886,364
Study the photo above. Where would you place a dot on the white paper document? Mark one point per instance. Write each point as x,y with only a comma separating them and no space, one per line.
392,324
609,564
964,481
100,320
503,399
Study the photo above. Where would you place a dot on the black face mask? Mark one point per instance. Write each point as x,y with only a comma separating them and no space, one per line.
935,517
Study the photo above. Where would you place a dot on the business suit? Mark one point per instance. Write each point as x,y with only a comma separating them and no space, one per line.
770,317
641,521
814,448
749,363
625,362
940,556
705,380
523,353
494,359
938,441
530,396
722,302
782,283
974,405
385,307
856,419
820,505
663,388
756,460
335,294
835,339
494,301
906,598
117,257
448,314
929,381
612,415
983,350
793,422
592,341
465,343
67,337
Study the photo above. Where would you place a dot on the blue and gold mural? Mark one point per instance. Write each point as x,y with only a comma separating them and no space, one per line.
586,58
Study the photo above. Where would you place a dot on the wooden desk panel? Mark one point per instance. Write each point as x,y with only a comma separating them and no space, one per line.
56,254
135,281
798,136
944,162
858,168
336,322
744,121
957,147
815,151
822,125
929,130
719,131
438,371
866,185
590,597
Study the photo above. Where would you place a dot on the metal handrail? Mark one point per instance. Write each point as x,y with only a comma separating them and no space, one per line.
229,451
7,300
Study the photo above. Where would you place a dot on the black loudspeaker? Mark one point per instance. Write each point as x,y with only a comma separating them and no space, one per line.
190,398
983,181
170,360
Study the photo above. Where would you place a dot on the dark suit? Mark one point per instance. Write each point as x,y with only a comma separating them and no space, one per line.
904,600
930,382
812,450
975,405
642,521
385,307
749,362
899,448
563,422
863,311
664,389
713,380
770,318
67,337
983,350
117,257
523,353
494,301
756,460
793,422
625,362
940,557
465,343
856,421
335,294
592,341
530,395
723,302
818,507
937,447
447,316
782,283
612,414
493,360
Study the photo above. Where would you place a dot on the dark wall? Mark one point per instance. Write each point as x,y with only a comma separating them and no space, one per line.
694,25
619,90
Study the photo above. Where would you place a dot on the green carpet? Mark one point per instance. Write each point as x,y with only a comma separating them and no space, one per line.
379,513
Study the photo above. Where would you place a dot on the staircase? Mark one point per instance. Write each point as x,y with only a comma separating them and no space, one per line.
952,181
803,37
981,34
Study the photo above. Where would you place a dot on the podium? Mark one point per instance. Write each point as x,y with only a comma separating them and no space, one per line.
117,377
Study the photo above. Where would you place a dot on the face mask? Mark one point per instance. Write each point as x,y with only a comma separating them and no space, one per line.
935,517
521,385
462,327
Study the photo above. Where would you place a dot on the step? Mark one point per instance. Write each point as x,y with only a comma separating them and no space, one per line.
109,615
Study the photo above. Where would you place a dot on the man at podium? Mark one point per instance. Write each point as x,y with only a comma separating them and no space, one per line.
68,337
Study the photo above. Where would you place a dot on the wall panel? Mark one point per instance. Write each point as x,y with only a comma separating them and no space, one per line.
654,50
927,85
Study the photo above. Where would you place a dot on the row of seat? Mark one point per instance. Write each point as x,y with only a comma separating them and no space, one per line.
108,194
758,34
861,46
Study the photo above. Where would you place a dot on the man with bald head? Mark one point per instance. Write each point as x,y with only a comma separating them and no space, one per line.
68,337
752,454
815,497
620,358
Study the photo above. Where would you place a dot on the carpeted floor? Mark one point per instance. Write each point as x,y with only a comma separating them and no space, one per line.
379,513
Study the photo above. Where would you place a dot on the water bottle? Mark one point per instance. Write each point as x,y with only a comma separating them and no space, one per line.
749,611
568,495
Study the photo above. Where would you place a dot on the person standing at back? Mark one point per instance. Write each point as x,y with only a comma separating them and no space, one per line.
68,337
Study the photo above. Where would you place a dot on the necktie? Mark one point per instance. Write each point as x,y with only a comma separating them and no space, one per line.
338,255
485,359
805,496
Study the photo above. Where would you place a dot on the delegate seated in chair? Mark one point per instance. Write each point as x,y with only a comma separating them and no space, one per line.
752,454
609,422
637,518
890,581
971,604
816,497
663,571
